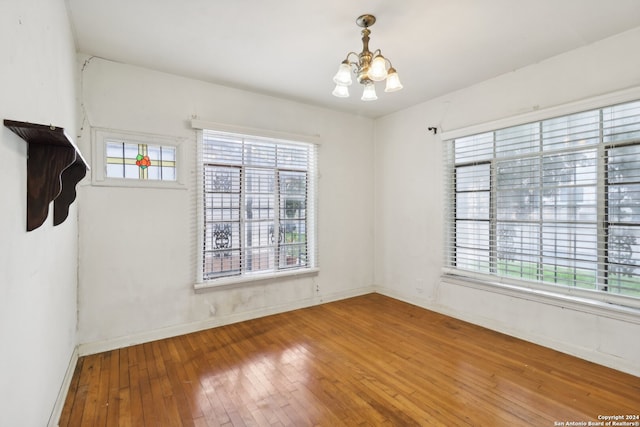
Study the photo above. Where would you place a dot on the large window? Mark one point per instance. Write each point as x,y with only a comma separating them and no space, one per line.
258,211
555,201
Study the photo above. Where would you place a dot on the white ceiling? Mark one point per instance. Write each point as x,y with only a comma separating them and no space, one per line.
292,48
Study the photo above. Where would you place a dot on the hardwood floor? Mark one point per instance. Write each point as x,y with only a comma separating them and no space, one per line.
365,361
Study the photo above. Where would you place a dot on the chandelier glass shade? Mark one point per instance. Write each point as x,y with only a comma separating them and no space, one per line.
369,67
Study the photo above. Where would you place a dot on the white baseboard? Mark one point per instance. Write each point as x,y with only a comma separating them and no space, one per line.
563,347
54,419
85,349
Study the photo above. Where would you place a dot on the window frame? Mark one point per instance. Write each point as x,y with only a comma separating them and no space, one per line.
312,172
100,137
596,299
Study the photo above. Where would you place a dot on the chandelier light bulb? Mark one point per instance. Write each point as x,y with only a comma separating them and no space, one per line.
378,69
393,81
369,93
343,76
341,91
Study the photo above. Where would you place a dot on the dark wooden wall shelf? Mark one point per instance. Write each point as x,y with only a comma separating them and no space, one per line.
54,168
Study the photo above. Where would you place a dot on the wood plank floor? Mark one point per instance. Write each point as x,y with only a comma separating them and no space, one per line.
365,361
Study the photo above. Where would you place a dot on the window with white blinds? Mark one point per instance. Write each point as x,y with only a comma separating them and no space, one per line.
258,212
555,201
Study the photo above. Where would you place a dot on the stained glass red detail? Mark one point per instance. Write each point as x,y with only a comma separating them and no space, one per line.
143,161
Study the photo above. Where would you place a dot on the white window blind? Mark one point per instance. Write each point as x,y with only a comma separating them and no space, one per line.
258,205
555,201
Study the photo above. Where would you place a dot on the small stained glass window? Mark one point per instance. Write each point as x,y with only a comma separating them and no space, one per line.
130,160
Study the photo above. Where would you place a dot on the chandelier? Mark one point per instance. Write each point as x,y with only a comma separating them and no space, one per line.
369,67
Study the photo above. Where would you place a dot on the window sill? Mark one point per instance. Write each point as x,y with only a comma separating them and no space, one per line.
235,281
611,306
137,183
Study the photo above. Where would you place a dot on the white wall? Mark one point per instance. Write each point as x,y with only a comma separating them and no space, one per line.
38,269
138,246
409,200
